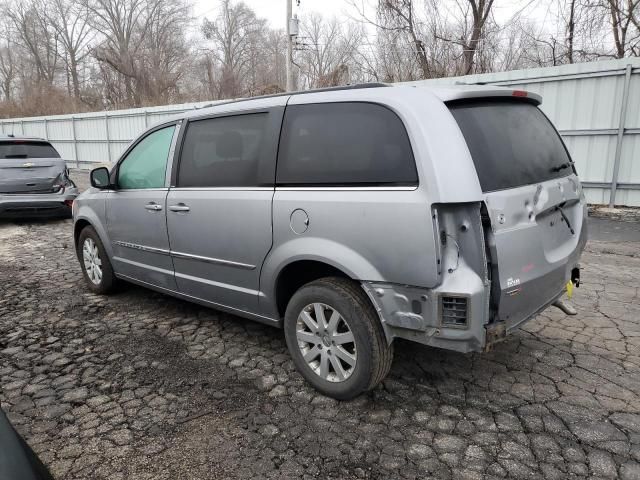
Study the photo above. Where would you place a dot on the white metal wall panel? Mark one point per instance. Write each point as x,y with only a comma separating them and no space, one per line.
117,150
35,129
582,100
126,128
66,151
90,150
584,148
597,196
91,129
630,159
60,129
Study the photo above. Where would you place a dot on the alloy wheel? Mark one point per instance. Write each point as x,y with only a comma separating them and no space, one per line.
92,261
326,342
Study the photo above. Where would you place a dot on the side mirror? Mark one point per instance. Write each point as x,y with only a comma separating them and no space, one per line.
100,178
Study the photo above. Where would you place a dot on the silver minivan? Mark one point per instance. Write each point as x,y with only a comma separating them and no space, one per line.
350,217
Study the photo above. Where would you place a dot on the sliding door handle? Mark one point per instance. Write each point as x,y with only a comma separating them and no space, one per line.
153,206
181,207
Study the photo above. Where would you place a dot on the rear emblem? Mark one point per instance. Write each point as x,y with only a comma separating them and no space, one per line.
512,282
27,165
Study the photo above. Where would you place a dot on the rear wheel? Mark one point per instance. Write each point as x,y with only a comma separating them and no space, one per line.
335,338
95,263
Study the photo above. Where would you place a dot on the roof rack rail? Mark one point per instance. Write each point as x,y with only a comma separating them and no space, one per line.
479,82
355,86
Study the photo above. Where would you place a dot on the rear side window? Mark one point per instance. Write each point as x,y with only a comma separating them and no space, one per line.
223,151
344,144
20,149
512,144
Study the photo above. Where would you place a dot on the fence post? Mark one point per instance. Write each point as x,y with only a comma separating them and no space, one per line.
75,141
106,126
146,118
621,123
46,128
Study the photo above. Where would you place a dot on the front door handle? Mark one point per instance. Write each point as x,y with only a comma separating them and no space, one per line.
181,207
153,206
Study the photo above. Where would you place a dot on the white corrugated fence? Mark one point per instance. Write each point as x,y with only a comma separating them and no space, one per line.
86,139
595,106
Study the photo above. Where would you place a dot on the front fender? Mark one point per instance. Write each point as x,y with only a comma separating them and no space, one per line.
322,250
94,215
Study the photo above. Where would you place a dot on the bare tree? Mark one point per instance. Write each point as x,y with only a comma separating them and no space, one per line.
122,26
70,21
624,16
234,34
37,37
141,41
7,64
127,53
399,15
327,51
472,30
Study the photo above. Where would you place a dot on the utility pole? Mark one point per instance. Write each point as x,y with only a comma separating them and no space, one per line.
289,62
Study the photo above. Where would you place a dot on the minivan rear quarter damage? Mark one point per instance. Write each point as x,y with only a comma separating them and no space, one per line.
506,258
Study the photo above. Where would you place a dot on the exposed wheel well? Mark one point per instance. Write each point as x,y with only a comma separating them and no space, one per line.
77,228
299,273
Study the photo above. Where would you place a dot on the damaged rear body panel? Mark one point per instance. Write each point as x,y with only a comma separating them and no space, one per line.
34,180
504,258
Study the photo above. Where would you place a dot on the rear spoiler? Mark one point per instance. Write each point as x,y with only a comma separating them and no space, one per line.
475,92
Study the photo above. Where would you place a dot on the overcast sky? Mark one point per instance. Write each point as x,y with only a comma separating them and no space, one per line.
275,10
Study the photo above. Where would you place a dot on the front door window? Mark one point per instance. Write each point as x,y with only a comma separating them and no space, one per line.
146,164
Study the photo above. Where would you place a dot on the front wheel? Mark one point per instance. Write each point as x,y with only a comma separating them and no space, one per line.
95,263
335,338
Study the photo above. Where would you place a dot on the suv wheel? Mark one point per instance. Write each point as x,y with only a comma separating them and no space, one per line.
96,266
335,338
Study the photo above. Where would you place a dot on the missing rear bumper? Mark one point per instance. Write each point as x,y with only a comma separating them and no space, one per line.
496,333
575,276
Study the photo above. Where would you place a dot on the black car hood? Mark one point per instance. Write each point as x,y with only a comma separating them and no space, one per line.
17,460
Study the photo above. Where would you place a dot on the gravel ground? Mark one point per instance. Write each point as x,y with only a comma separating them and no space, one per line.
140,385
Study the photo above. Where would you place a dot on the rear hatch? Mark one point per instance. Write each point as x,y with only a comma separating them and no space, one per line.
534,209
28,167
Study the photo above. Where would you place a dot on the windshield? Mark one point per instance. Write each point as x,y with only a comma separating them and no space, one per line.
27,149
512,143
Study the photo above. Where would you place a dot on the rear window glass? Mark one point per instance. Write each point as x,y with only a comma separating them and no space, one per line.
20,149
223,151
512,144
344,144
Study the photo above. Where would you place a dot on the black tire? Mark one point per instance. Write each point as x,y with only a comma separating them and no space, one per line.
374,354
108,281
